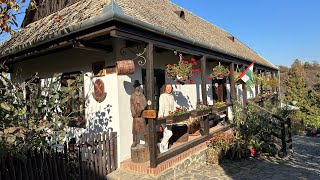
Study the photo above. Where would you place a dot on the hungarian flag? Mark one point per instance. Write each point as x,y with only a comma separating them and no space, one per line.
247,75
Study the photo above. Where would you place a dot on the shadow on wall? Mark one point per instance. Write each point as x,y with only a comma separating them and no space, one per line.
180,99
128,87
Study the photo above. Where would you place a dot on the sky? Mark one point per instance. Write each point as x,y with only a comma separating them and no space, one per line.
278,30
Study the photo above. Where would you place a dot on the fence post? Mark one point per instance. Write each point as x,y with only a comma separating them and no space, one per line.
289,133
283,138
152,142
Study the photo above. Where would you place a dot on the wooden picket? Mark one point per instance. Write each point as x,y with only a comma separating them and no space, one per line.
93,157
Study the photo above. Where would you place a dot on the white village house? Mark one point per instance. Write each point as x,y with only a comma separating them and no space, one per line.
92,36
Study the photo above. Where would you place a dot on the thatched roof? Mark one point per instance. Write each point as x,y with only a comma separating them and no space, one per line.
159,13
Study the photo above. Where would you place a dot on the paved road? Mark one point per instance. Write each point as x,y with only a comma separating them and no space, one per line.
303,164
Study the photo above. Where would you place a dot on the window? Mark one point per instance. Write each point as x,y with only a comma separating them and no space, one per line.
97,68
72,86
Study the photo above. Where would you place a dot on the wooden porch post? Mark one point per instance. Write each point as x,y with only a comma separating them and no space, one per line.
256,86
204,93
244,89
273,75
204,80
150,100
232,83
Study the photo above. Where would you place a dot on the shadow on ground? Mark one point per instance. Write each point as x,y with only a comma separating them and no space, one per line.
303,164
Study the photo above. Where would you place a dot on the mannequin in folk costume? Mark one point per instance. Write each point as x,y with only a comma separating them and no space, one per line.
166,105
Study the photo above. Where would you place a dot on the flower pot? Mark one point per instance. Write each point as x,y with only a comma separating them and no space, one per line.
177,118
203,112
216,110
214,156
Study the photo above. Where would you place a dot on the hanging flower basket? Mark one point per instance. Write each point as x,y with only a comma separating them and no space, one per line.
219,72
183,71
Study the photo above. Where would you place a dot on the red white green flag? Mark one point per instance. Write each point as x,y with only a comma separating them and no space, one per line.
247,75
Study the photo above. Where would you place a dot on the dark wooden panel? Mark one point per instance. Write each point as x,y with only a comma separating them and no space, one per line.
244,90
232,83
150,100
204,80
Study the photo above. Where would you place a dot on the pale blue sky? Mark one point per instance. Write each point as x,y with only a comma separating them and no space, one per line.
279,30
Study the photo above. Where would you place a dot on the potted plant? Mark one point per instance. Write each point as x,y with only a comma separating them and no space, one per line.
218,145
179,115
183,71
219,72
219,107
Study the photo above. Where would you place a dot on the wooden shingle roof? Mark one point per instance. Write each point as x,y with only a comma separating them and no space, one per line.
160,13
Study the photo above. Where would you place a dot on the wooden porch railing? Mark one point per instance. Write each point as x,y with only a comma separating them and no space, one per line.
285,129
156,158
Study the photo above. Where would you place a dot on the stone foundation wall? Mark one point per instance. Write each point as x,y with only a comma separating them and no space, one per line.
191,162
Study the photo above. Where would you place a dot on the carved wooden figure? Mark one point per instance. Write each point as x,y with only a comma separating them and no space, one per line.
138,104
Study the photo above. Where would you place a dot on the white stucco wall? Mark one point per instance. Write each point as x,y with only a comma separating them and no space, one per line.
114,112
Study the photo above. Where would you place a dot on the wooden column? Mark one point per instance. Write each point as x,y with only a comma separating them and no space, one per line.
273,76
204,93
150,100
232,83
256,86
204,80
244,90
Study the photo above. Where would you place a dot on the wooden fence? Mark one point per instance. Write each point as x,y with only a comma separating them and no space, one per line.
281,131
93,157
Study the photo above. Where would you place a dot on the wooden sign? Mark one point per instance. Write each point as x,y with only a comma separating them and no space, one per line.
99,93
151,114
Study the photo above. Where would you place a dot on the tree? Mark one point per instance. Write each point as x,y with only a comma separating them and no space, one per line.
295,86
29,122
9,9
314,97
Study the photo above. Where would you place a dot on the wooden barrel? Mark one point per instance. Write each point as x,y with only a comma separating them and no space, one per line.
125,67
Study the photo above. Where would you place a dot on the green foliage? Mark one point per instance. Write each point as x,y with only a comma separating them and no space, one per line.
295,86
312,121
27,124
252,128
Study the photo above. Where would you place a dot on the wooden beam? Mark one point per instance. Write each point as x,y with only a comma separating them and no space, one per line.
204,80
43,52
150,100
244,90
232,83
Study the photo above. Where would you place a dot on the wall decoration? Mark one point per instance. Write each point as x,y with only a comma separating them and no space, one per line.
143,60
125,67
99,93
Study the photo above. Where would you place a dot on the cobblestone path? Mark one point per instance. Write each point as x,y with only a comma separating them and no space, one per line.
303,164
